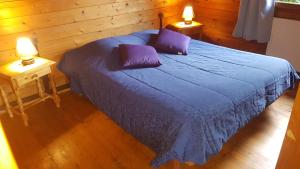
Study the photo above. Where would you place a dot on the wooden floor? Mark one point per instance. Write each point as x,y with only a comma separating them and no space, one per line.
78,136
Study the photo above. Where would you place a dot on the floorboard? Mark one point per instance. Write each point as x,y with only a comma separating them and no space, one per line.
78,136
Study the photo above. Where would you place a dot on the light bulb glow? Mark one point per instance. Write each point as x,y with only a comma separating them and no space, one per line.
188,13
25,48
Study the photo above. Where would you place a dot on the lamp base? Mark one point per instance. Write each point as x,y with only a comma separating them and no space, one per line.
27,62
188,22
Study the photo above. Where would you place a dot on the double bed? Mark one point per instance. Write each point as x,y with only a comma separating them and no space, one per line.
188,107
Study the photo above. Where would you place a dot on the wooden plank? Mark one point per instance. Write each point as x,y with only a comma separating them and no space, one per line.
27,23
232,5
219,18
225,39
87,26
57,45
12,9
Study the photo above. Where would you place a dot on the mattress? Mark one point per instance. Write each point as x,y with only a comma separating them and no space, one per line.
187,108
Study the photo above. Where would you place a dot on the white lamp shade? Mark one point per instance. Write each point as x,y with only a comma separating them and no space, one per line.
25,48
188,13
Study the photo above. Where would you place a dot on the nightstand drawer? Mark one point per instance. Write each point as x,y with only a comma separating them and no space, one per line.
194,33
30,76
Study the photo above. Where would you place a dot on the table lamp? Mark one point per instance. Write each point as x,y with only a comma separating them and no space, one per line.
26,50
188,15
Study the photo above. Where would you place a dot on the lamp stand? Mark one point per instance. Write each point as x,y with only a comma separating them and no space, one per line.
188,22
27,62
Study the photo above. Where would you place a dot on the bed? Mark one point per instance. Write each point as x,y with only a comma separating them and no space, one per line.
188,107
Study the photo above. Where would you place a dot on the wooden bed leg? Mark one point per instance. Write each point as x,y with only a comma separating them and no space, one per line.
189,163
176,164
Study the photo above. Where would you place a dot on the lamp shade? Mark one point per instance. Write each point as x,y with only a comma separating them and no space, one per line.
188,13
25,48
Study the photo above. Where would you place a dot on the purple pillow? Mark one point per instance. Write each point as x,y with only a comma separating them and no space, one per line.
172,42
138,56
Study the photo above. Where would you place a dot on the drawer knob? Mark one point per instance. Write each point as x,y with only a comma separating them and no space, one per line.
34,76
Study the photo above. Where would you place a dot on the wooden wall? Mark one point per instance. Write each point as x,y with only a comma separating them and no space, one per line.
60,25
219,17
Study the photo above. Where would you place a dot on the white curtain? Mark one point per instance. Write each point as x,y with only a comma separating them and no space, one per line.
255,20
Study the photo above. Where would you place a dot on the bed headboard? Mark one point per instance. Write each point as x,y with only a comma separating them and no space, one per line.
161,17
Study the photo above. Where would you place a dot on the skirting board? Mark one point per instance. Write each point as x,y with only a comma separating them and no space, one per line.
60,89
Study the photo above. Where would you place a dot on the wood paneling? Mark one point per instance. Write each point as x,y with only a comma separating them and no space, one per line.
60,25
54,139
219,17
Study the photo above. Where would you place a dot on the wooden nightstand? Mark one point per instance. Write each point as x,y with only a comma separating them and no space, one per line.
18,75
193,30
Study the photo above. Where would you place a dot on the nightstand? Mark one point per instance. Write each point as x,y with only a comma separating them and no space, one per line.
5,100
194,30
17,75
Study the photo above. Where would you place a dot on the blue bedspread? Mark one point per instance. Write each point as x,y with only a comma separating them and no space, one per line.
187,108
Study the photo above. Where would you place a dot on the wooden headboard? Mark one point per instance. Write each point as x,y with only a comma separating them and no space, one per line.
161,19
